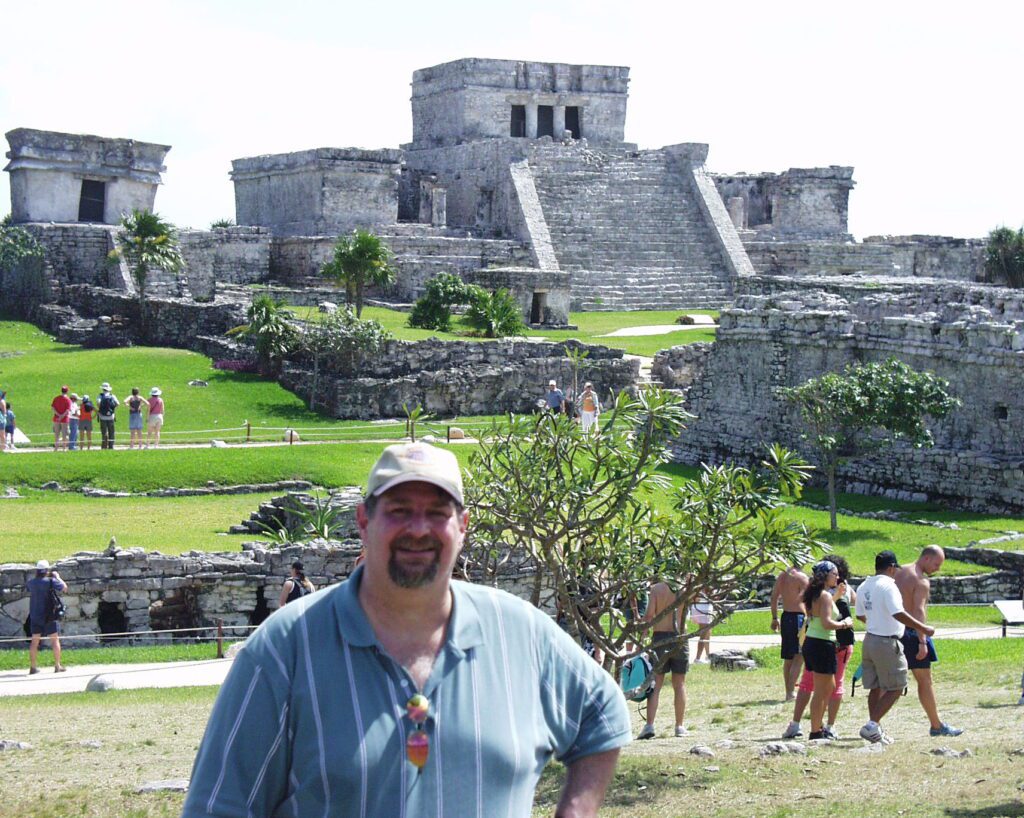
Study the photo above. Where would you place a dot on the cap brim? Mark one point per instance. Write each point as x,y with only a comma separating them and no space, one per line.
448,488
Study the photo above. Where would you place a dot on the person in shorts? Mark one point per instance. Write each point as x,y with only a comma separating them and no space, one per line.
915,587
789,589
155,419
61,406
702,612
135,404
9,426
675,660
880,607
85,422
39,588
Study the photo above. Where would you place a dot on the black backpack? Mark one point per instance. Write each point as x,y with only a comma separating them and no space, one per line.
107,405
88,406
55,607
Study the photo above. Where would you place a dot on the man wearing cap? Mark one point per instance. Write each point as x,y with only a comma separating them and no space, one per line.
554,398
61,417
39,588
106,409
916,587
880,606
404,692
590,407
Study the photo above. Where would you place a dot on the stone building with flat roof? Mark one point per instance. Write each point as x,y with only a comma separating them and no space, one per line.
64,178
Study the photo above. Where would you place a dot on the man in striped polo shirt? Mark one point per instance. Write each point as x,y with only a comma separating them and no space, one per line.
401,692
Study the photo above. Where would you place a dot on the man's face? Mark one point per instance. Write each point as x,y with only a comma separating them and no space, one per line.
932,564
414,535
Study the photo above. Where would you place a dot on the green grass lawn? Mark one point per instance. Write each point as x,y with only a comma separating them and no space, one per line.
33,366
143,736
592,327
114,655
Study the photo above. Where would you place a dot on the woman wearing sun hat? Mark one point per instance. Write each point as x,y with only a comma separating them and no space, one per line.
156,417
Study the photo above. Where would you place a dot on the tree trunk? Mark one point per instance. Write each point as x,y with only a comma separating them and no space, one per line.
832,496
359,299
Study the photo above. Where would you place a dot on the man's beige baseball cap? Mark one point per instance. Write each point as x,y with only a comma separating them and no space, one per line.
416,462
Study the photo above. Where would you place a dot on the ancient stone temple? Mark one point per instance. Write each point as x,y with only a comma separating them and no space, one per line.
59,177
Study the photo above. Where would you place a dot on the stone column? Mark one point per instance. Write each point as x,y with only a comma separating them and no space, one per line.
439,207
559,123
531,120
737,207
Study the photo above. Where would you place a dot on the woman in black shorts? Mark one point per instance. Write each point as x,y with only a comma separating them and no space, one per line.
819,648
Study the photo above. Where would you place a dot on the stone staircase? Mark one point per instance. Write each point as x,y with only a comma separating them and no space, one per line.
630,229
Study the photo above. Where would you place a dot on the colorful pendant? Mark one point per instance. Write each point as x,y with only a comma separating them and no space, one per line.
417,748
418,708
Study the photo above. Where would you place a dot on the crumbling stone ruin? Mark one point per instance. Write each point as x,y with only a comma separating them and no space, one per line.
518,175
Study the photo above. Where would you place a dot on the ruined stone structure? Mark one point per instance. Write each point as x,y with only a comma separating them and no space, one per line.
59,177
972,336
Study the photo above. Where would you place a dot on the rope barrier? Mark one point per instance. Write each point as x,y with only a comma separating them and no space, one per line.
132,634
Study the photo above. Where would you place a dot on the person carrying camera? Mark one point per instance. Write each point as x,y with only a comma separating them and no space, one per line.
41,620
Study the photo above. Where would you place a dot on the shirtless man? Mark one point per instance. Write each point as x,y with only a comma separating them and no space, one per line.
790,587
915,587
677,662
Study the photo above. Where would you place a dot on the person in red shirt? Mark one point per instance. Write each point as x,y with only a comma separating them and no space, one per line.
156,417
61,417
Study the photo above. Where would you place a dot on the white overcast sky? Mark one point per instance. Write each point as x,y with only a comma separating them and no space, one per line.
922,98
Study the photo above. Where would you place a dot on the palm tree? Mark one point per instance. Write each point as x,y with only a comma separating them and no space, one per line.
360,260
270,331
147,242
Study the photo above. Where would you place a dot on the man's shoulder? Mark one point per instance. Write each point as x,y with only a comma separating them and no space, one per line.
488,601
310,613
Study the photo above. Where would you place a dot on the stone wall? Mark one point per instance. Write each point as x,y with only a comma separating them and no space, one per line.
933,257
232,255
678,367
974,337
78,253
323,191
457,378
471,99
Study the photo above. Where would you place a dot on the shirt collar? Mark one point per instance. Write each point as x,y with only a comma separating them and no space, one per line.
464,628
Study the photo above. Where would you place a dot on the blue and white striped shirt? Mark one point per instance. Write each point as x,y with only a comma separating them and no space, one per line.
311,720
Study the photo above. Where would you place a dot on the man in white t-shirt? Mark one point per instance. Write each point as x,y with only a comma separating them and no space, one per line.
880,606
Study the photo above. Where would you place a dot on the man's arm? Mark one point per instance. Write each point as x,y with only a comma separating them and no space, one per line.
586,781
910,622
774,602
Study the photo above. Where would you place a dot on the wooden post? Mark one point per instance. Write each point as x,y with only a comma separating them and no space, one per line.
220,638
449,434
248,432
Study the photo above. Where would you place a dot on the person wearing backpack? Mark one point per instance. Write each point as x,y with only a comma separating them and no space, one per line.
107,408
45,612
9,426
85,421
296,586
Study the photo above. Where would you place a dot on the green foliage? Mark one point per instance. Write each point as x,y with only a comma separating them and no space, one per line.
272,334
147,242
359,261
322,521
220,224
433,310
496,314
865,407
16,244
1004,256
578,509
414,415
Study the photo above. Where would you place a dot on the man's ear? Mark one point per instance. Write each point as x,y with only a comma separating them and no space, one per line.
362,519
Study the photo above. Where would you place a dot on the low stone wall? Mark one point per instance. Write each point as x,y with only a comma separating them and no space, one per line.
678,367
458,378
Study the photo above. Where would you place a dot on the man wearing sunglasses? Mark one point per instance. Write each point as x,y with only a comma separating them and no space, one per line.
401,692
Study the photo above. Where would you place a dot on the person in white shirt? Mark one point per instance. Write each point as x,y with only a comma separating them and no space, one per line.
880,606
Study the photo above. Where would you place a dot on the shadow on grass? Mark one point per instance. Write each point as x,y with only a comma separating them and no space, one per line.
1014,808
846,536
636,781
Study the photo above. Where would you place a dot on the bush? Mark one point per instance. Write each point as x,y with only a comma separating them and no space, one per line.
1004,256
16,244
221,224
433,310
496,314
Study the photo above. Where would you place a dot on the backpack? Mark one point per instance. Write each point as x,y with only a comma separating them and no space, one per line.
637,678
55,607
107,405
88,406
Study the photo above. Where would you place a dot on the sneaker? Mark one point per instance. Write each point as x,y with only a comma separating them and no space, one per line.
646,732
944,730
815,735
874,735
680,732
887,739
830,731
59,669
793,731
32,671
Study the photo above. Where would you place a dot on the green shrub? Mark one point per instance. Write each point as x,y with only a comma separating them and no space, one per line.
16,244
1004,256
433,310
496,314
221,224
